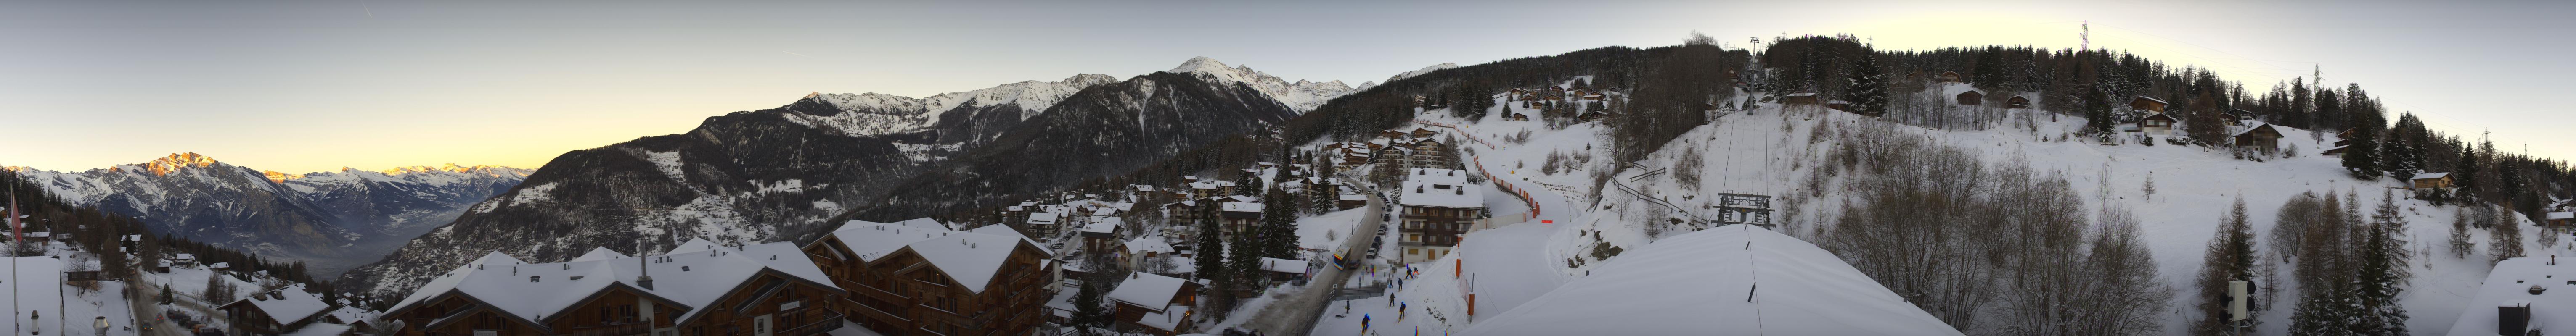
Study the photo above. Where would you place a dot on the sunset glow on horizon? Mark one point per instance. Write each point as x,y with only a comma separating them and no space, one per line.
301,87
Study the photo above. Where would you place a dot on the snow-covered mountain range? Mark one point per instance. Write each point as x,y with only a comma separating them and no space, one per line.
1300,95
315,216
768,175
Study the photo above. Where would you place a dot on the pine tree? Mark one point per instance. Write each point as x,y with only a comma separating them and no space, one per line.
1279,228
2097,112
1088,311
2380,274
1868,89
1211,251
165,294
1244,259
2465,175
2361,158
2230,257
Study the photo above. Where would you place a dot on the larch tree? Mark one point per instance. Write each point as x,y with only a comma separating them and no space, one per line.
2506,241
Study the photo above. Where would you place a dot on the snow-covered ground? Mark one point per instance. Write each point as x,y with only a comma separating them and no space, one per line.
1773,150
35,285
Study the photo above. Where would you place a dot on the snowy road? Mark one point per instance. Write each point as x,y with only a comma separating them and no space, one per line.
1296,314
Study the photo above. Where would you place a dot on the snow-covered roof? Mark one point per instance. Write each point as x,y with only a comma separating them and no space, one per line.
1168,319
1697,284
1802,94
1436,175
694,245
2563,215
1149,243
1105,226
1004,230
286,305
972,259
1242,207
1042,218
2421,176
1440,195
962,255
2249,127
1153,292
599,253
2153,99
694,279
220,265
1283,265
2511,281
184,256
1353,197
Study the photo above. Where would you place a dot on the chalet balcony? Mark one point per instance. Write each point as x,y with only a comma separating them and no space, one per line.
825,321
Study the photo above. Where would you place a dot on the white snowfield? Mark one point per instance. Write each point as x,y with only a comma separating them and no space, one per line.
1731,280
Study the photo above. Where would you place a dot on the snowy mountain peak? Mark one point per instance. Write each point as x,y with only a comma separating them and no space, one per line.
277,177
1300,95
482,170
175,162
1424,70
865,114
1203,64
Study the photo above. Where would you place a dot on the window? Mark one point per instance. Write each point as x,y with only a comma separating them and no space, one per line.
1412,251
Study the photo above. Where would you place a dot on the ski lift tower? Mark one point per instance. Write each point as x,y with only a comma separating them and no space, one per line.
1733,208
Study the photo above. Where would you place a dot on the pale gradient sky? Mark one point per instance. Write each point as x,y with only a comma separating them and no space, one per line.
314,86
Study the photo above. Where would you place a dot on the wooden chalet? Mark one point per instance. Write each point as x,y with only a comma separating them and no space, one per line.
2158,124
2017,102
2559,219
2259,137
1154,304
1422,132
1947,77
1517,116
1972,98
917,281
703,289
2147,103
1838,104
274,312
2429,181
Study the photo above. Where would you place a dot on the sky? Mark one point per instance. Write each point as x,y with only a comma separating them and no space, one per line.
309,86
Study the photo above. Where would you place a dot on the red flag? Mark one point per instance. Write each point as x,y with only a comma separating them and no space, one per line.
14,232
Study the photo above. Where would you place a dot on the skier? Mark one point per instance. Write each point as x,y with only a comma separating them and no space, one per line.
1364,322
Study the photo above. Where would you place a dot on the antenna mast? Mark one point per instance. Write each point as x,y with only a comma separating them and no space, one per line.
2087,35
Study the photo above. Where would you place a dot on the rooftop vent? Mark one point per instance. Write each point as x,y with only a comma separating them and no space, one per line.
684,268
532,278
